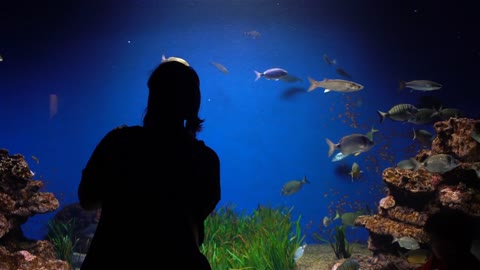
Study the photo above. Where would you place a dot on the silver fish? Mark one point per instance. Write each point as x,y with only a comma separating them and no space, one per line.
271,74
220,67
293,186
350,144
409,164
420,85
336,85
440,163
424,116
299,252
423,136
407,242
400,112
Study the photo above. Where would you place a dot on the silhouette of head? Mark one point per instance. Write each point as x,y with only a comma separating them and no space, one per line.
174,97
451,232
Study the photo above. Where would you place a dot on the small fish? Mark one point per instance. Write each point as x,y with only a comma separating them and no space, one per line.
329,61
1,58
417,256
409,164
35,159
424,116
476,136
355,172
254,34
447,113
371,132
326,221
349,264
400,112
337,85
350,144
299,252
440,163
271,74
407,242
290,78
293,186
220,67
173,58
420,85
348,218
423,136
343,73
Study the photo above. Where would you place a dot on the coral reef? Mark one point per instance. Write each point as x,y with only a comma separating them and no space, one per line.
20,199
412,196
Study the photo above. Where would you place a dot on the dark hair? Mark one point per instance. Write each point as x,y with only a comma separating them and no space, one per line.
174,95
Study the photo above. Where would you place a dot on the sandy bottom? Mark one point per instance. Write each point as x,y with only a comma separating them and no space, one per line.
321,256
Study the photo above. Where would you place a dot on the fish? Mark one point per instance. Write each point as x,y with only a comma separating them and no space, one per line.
329,61
409,164
475,135
173,58
35,159
293,186
254,34
1,58
400,112
423,136
420,85
299,252
371,132
350,144
219,67
448,113
326,221
337,85
355,172
349,264
406,242
440,163
290,78
348,218
424,116
417,256
343,73
271,74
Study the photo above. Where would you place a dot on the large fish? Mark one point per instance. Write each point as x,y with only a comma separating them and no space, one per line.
420,85
400,112
337,85
350,144
271,74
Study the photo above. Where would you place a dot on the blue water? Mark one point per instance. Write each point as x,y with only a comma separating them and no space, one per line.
96,57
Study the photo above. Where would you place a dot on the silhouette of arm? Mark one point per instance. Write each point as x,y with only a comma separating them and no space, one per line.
97,171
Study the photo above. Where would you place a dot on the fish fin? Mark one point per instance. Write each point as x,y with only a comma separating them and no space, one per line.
327,90
402,85
313,84
331,147
417,165
382,115
337,215
257,75
305,180
164,57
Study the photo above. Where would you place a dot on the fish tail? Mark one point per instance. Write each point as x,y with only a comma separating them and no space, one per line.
331,147
402,85
416,165
382,115
313,84
305,180
164,57
258,75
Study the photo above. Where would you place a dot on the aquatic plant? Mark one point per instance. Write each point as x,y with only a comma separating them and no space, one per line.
60,234
339,243
266,239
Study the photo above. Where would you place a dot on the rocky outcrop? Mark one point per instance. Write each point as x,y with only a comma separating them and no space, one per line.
20,199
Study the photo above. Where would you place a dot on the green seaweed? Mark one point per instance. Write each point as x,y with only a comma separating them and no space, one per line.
266,239
338,242
60,234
